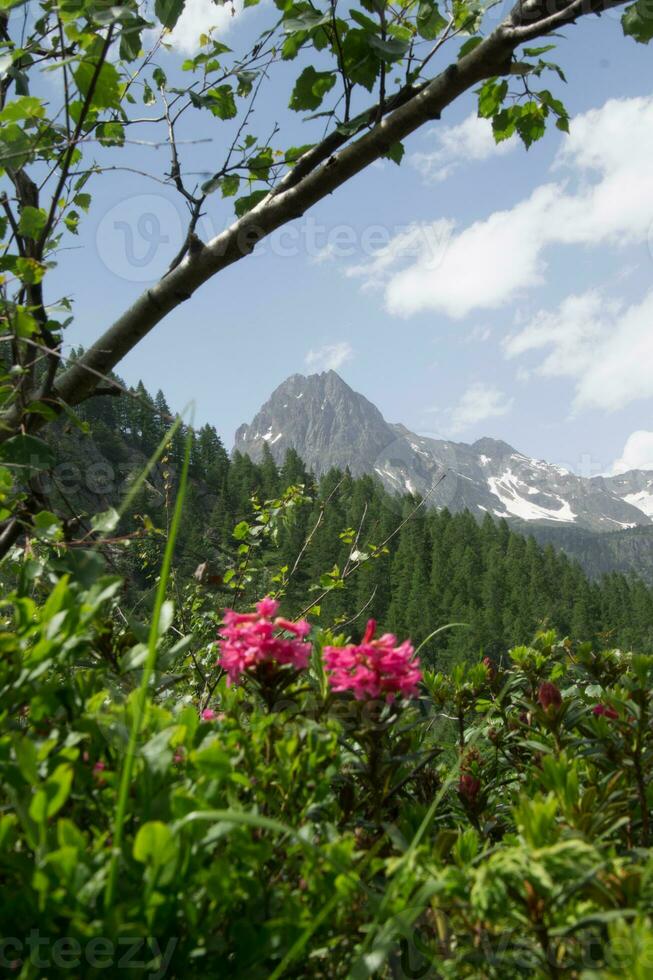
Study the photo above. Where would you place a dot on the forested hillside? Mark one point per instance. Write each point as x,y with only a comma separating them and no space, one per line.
434,568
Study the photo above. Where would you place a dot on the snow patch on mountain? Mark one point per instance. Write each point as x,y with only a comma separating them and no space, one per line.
509,489
330,425
642,500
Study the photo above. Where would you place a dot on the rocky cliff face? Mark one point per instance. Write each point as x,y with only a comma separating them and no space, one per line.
321,417
329,424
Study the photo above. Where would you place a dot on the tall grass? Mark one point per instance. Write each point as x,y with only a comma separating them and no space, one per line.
149,665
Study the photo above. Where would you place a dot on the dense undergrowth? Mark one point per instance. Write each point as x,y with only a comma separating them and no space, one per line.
327,807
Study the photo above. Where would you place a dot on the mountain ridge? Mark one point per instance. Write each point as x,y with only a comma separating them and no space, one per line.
331,425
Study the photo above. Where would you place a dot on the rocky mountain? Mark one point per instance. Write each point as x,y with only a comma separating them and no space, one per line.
329,424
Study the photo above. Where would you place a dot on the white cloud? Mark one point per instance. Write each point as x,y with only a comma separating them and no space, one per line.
478,403
424,241
482,267
569,334
490,262
637,453
330,356
202,17
605,347
470,140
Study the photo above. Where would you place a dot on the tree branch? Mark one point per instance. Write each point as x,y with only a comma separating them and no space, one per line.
318,173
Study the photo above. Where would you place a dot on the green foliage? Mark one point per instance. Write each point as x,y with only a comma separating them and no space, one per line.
499,822
301,540
476,828
637,21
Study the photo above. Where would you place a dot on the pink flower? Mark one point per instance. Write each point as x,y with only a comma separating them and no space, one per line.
605,710
208,714
99,766
249,639
374,668
549,696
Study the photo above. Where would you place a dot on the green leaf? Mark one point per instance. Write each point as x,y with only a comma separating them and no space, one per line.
82,201
395,153
52,795
29,270
28,107
241,531
503,124
306,21
221,102
130,38
491,96
154,843
15,146
362,62
293,153
430,21
391,49
468,15
24,323
159,78
27,451
469,46
531,123
245,204
71,221
293,44
27,758
106,93
32,221
246,81
230,185
637,21
106,522
168,11
310,89
536,52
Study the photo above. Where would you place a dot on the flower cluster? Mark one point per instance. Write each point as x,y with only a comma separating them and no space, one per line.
250,639
374,668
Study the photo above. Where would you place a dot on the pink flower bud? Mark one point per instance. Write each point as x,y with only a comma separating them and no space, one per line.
469,787
605,710
549,696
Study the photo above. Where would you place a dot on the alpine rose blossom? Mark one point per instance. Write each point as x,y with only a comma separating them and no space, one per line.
249,639
469,787
605,710
374,668
549,696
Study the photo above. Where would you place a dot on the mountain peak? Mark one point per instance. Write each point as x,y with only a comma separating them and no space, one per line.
331,425
321,417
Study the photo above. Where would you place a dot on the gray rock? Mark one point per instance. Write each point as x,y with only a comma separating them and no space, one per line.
330,425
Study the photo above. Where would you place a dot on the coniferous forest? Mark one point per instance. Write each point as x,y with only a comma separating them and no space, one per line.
436,568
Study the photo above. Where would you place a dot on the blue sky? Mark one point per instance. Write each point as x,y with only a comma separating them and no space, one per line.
471,291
